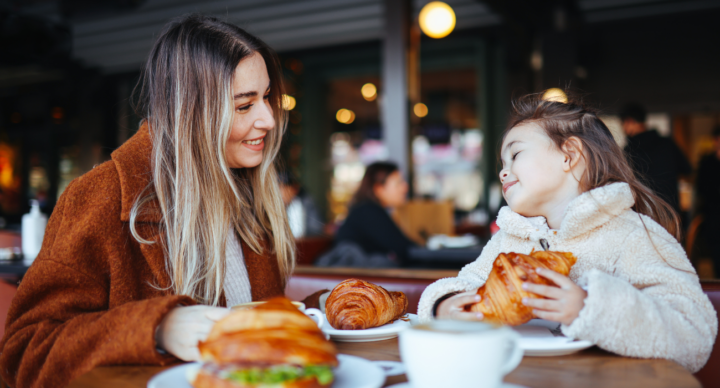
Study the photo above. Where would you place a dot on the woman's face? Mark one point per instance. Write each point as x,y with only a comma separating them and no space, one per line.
394,192
253,116
532,169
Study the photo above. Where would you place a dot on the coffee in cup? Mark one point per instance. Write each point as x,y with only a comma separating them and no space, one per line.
459,354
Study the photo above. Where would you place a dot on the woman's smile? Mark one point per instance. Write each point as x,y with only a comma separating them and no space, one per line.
255,144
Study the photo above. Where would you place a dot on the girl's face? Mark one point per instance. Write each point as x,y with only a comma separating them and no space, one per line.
253,116
394,192
533,173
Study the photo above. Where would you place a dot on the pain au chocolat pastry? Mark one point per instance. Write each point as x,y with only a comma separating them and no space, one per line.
502,293
357,305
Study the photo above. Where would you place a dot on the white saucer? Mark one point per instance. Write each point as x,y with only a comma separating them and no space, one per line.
353,372
541,338
502,385
391,330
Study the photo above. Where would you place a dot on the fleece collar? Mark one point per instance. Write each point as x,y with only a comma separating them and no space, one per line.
132,161
588,211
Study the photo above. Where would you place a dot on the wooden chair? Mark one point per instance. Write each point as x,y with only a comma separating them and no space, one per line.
419,219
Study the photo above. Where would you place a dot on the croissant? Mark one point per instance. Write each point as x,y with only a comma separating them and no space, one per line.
357,305
502,293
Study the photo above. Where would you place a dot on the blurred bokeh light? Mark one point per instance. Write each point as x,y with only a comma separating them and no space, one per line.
555,94
437,19
345,116
288,102
420,110
369,91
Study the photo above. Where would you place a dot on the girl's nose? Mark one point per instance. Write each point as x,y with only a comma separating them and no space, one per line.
503,175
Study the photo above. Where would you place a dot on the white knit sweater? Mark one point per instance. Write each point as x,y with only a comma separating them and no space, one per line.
644,298
237,281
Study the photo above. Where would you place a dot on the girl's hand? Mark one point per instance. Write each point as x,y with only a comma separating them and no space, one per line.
454,307
563,303
183,327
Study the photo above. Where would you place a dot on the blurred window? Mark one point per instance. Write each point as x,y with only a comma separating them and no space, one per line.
446,146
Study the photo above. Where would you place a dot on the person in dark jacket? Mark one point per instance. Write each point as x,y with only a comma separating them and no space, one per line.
656,159
369,237
707,185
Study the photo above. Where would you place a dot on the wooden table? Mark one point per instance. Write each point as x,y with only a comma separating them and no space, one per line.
590,368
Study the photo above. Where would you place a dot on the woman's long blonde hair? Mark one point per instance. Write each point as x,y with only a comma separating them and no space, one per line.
185,95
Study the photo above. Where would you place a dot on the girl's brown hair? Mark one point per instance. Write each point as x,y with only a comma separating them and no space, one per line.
605,160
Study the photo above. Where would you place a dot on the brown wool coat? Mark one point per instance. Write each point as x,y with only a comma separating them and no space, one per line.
88,298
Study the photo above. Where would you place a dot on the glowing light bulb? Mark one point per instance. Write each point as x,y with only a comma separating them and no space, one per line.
288,102
555,94
437,19
420,109
369,91
345,116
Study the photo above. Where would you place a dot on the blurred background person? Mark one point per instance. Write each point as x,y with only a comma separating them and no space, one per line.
302,213
369,237
708,193
657,159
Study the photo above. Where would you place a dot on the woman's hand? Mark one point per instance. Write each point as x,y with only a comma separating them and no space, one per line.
454,307
563,303
183,327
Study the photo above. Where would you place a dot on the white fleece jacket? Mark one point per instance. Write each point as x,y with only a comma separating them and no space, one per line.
644,297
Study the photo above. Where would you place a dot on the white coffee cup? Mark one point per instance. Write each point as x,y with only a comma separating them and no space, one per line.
459,354
317,314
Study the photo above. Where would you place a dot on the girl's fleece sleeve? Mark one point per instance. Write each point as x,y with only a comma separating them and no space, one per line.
471,277
647,308
60,324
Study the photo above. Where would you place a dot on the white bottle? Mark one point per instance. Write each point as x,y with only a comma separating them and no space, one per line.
33,230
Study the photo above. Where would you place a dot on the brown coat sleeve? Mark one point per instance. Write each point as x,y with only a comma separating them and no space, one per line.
73,311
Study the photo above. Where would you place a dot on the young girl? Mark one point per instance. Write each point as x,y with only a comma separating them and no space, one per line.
633,290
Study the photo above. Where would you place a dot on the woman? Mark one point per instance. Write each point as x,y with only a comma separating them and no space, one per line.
141,252
369,237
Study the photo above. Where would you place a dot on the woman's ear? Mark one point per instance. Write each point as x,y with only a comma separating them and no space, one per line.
573,150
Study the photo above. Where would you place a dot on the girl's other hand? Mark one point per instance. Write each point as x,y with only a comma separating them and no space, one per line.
563,303
183,327
454,307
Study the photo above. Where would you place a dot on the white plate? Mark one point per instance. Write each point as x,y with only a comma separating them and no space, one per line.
380,333
439,241
502,385
353,372
542,338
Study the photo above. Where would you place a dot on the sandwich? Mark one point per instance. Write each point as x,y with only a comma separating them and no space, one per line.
272,345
